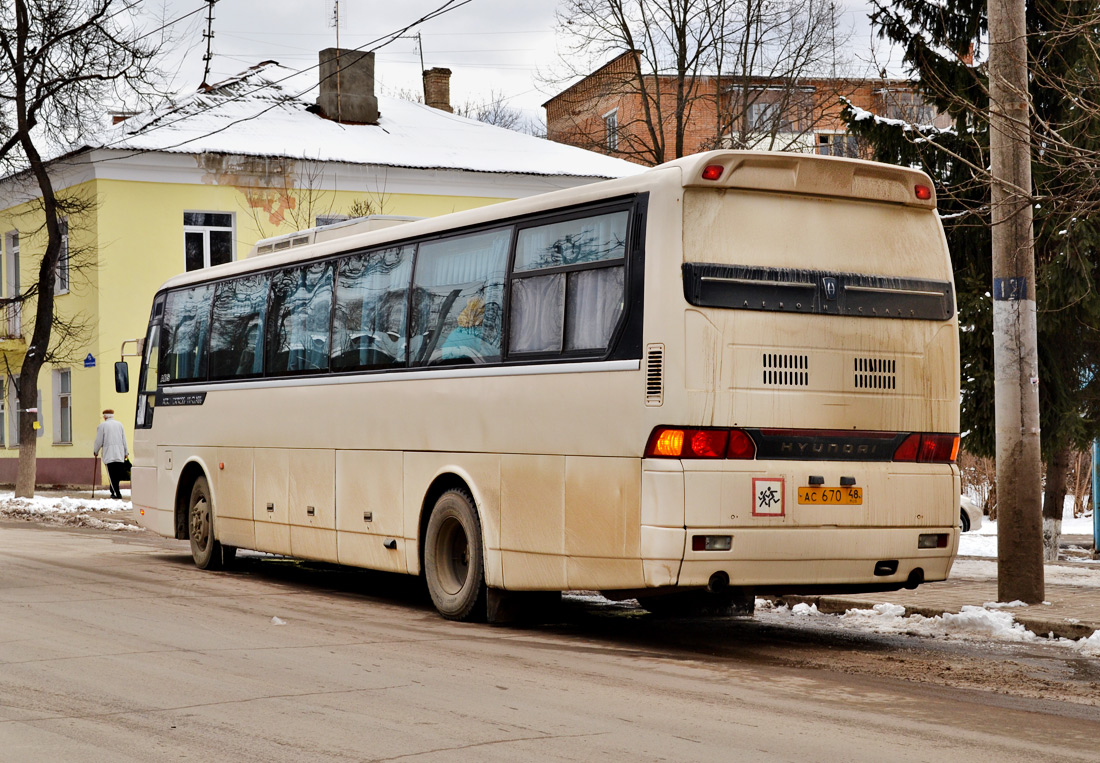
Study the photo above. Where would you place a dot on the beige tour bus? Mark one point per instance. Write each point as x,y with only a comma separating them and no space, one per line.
733,374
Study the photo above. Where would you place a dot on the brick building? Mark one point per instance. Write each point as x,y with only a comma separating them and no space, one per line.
616,110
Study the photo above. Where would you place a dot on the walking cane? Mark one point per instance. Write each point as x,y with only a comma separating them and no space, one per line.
95,475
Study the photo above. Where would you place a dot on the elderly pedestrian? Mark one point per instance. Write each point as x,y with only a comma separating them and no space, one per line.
110,437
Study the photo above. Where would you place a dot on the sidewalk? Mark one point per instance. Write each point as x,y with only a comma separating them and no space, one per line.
1069,611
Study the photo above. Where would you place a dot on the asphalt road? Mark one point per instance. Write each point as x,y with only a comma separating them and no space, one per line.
114,648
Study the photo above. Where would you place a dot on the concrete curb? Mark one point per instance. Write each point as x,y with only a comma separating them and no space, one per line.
1040,626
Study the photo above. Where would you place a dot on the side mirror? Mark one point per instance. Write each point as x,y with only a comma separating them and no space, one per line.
122,377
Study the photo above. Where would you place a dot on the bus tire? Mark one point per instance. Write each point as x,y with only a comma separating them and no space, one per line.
454,562
205,549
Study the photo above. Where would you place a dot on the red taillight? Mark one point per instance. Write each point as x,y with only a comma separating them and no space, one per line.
671,442
923,192
709,443
928,448
741,445
713,171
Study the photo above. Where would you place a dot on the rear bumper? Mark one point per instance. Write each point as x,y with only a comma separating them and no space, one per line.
792,559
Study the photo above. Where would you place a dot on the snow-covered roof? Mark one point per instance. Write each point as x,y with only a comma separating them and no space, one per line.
266,112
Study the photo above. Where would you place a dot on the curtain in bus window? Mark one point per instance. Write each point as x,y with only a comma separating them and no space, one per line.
459,290
593,304
538,310
186,331
368,325
236,339
572,242
301,305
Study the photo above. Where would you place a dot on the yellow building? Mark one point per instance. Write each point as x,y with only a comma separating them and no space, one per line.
198,181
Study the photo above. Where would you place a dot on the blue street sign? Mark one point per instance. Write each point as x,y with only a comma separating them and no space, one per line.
89,362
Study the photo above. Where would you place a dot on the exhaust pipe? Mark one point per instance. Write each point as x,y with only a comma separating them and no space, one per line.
718,582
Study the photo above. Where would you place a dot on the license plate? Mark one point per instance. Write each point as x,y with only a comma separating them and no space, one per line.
831,496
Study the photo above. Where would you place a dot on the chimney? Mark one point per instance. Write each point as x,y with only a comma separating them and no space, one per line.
347,87
437,89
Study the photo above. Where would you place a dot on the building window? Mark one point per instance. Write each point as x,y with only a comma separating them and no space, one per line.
611,129
13,420
11,262
837,144
207,239
62,406
61,273
768,116
909,106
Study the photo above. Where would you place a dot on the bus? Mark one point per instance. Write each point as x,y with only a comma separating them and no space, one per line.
731,375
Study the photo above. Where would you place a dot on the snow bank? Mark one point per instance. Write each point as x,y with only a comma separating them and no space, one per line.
100,513
988,623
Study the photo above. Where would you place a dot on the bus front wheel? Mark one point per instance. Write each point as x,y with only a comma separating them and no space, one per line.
453,560
207,552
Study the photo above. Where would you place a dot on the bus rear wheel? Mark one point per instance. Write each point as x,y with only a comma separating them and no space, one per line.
454,564
207,552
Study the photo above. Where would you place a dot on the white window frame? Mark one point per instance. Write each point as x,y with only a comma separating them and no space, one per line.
62,406
830,141
611,129
61,272
205,231
13,316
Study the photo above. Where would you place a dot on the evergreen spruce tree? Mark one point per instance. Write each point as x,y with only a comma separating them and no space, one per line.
940,39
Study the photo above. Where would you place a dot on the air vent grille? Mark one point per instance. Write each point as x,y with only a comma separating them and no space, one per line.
786,370
875,373
655,375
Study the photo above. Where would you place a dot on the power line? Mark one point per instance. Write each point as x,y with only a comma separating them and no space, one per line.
382,41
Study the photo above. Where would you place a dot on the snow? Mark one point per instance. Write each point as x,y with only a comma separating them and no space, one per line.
263,112
983,541
60,509
972,623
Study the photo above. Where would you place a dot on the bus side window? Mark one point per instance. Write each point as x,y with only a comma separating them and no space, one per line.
185,334
237,333
369,321
568,285
458,294
301,310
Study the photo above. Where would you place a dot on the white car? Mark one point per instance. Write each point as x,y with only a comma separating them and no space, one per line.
970,514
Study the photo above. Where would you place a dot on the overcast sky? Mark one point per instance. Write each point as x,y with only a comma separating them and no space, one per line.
497,46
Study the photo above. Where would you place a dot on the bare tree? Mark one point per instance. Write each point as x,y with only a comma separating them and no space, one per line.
495,110
60,60
692,74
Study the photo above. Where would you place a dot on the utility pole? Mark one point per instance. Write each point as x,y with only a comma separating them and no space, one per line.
209,35
1015,355
336,21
